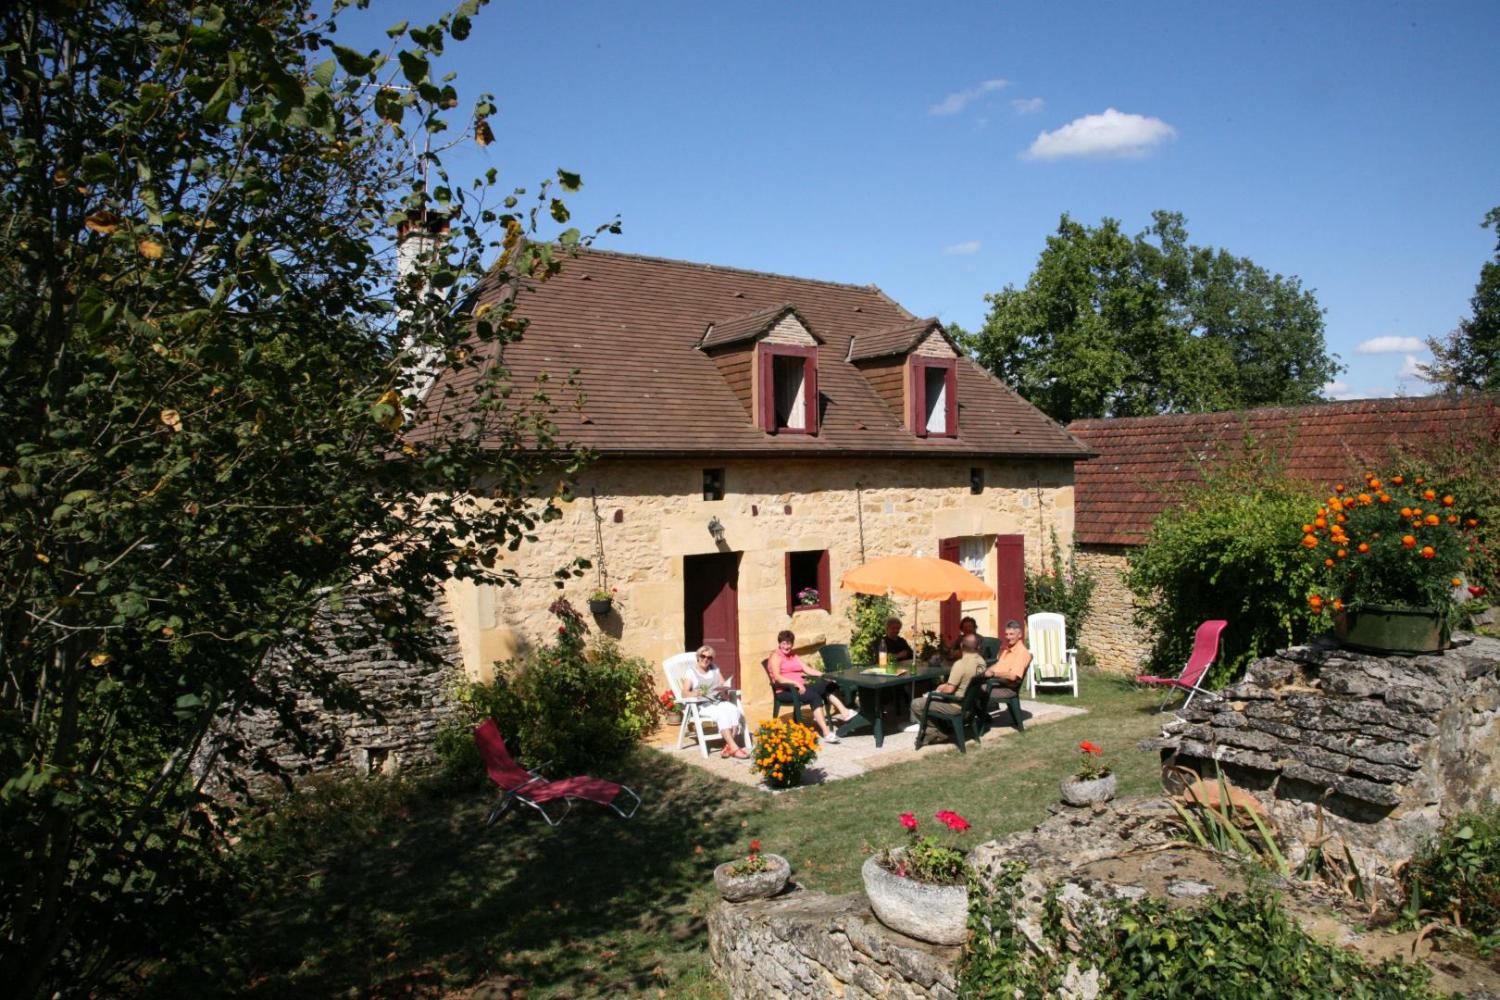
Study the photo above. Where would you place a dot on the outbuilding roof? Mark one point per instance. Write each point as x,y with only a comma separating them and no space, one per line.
1141,461
632,327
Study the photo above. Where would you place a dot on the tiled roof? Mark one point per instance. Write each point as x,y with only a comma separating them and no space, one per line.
1141,460
631,327
749,326
897,340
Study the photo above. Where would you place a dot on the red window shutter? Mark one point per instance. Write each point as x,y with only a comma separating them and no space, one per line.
786,575
918,397
823,591
767,391
951,376
810,391
1010,587
948,611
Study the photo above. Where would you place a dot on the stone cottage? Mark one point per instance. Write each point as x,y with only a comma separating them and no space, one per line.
1141,461
757,436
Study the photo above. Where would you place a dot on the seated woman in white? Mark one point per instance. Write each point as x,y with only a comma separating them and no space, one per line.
703,680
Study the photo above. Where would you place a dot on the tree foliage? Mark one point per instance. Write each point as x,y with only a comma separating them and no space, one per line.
1114,326
204,440
1469,356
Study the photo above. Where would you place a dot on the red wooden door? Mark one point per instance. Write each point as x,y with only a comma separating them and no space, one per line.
711,608
1010,582
949,612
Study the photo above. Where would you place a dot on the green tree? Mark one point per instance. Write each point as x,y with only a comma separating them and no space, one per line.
1110,325
1469,356
203,438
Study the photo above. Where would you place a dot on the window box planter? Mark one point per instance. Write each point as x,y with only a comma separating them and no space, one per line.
938,914
1375,628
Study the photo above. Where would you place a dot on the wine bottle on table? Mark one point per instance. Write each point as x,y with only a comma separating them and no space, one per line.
881,656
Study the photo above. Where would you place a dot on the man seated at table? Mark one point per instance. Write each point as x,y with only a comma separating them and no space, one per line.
897,649
1010,668
966,670
966,626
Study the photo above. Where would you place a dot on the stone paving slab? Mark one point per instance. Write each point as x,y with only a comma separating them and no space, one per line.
857,755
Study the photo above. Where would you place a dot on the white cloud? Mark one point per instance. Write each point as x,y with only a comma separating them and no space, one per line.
1027,105
954,103
1411,368
1390,345
1114,133
960,249
1340,390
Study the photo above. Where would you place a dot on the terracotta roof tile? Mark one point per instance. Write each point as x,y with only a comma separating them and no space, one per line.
898,340
1141,461
631,332
749,326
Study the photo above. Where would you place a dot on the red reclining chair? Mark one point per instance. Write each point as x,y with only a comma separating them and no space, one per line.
529,788
1205,651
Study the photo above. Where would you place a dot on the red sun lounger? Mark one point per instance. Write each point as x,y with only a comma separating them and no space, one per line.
529,788
1205,651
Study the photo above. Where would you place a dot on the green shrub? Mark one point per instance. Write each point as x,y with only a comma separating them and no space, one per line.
1468,467
566,703
1237,948
1064,589
867,614
1229,550
1459,874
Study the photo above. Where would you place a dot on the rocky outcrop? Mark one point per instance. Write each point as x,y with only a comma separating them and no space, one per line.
807,944
1377,750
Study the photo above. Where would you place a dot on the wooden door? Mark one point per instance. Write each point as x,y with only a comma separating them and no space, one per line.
1010,580
711,608
950,611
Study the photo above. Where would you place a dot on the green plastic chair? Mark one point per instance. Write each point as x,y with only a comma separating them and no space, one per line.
777,689
836,657
1012,703
972,710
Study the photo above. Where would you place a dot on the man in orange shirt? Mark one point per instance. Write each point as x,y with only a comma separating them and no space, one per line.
1010,666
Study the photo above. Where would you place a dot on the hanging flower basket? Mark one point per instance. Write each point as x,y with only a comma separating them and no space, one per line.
601,601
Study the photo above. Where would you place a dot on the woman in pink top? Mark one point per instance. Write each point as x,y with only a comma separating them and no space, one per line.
787,668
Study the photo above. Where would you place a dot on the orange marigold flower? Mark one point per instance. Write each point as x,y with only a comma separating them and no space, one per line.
1373,483
1315,602
1341,553
1364,546
1416,512
1339,488
1328,561
1338,605
1342,519
1429,494
1472,523
1457,581
1433,519
1320,522
1383,498
1409,541
1428,552
1309,541
1452,518
1307,529
1448,500
1406,512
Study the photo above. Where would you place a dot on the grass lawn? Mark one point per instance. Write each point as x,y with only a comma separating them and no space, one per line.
385,888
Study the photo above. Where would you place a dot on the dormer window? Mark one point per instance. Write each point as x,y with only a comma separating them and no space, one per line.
789,389
934,397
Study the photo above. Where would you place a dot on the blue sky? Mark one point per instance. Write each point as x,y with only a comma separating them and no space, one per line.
930,149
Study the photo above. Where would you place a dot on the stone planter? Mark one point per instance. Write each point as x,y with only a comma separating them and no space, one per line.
1076,792
600,608
1375,628
757,885
672,718
935,913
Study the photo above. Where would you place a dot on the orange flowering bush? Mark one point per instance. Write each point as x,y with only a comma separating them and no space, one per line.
783,749
1396,543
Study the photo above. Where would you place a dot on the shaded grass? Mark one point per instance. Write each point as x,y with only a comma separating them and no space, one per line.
386,888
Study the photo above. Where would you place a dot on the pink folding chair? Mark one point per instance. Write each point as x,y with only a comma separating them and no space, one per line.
529,788
1205,652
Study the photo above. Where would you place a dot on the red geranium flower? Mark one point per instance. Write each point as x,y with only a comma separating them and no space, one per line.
952,820
1088,747
909,821
1477,591
754,847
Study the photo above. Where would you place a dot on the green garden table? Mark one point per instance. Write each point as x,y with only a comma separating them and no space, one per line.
869,689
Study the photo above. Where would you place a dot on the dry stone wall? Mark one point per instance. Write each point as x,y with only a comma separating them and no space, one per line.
1378,749
1111,635
807,944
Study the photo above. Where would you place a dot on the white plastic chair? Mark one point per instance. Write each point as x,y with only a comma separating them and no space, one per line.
676,667
1053,662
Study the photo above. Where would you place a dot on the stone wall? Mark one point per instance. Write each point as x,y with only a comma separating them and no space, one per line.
1377,750
807,944
1112,635
414,700
654,515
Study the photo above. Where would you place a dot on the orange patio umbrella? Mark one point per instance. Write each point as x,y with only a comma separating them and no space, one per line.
922,577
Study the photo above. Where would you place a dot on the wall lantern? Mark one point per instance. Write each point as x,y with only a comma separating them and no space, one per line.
716,528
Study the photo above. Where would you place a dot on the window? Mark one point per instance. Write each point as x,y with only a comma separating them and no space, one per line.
807,581
976,480
713,484
934,397
972,554
789,389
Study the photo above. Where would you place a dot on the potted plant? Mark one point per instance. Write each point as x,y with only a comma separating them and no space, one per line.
601,600
922,889
1093,782
1389,557
783,749
671,712
755,876
808,597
